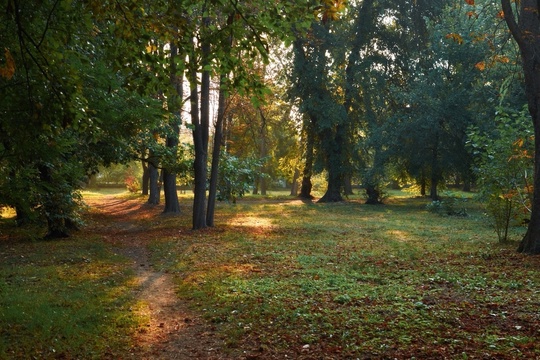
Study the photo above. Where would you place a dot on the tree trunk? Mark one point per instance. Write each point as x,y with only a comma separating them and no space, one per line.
305,189
334,163
433,193
263,151
294,185
216,152
155,189
347,185
145,178
423,186
200,133
435,172
526,32
333,192
373,195
172,204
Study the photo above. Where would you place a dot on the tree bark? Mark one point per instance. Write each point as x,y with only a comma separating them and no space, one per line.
526,32
305,189
145,178
263,152
172,204
216,152
200,132
294,185
155,189
373,195
334,163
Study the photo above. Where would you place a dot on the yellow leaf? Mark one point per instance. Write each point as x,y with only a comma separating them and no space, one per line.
8,70
150,48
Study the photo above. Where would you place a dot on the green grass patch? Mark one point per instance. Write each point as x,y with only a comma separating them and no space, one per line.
63,299
352,280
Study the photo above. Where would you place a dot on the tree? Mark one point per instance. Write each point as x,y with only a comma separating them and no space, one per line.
58,77
523,22
320,101
212,54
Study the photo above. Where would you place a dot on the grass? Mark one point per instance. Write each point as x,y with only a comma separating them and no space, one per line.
350,280
63,299
281,277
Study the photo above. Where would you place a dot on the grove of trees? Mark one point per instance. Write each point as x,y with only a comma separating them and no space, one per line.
367,92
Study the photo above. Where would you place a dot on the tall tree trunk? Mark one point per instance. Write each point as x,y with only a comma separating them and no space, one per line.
423,184
155,189
526,32
347,184
145,178
373,195
334,163
435,171
200,132
294,185
216,152
263,152
305,189
172,204
333,192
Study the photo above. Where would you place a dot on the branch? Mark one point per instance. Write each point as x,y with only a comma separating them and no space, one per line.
47,24
513,26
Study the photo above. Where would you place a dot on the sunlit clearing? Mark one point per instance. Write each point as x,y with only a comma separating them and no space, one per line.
251,221
400,235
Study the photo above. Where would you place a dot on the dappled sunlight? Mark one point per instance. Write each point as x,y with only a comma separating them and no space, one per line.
400,235
252,221
7,212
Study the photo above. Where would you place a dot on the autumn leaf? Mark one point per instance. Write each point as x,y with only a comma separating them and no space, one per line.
8,70
151,48
502,59
331,9
480,66
456,37
470,2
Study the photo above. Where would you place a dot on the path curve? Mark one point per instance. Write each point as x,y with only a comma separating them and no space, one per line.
172,331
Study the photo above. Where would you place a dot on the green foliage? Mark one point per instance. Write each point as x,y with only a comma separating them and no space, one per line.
449,206
504,163
236,176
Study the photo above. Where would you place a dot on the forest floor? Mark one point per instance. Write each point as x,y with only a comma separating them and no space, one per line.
172,330
277,278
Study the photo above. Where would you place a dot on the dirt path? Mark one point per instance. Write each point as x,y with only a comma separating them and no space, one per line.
173,331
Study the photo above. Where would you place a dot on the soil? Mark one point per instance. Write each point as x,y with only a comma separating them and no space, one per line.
173,331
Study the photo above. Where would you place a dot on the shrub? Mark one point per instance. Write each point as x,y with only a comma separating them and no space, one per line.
504,163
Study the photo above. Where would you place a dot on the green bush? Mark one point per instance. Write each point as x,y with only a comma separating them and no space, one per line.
504,167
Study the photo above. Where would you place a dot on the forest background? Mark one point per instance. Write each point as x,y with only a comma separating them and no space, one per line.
370,92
